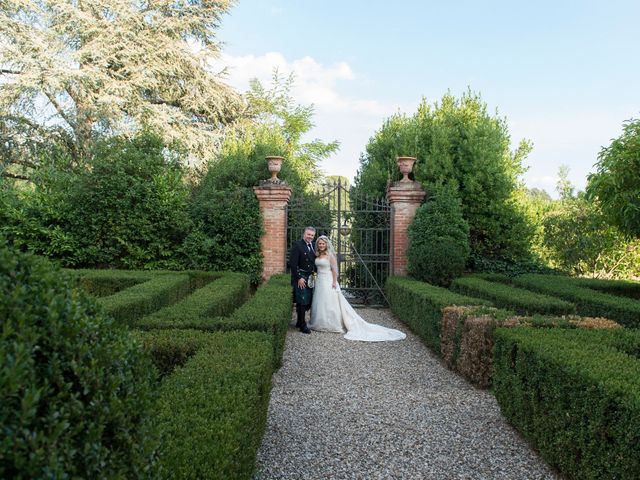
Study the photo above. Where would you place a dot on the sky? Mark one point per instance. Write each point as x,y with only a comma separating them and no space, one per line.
564,74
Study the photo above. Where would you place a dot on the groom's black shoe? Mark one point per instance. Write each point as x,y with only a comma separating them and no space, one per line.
305,329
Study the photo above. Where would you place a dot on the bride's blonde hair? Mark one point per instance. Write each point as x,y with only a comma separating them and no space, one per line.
329,249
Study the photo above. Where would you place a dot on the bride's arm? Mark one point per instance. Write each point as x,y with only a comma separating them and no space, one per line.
334,270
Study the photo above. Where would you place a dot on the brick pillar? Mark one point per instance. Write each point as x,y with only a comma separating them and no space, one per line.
273,198
405,197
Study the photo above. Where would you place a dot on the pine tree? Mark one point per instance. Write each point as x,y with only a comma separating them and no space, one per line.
71,71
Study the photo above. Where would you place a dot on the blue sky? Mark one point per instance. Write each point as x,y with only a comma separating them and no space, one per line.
565,74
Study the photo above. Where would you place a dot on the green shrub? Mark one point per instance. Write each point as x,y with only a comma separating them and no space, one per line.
588,302
127,306
520,300
211,411
216,299
227,232
129,210
420,305
438,240
575,396
507,266
75,390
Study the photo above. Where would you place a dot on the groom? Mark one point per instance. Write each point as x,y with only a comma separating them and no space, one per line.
302,258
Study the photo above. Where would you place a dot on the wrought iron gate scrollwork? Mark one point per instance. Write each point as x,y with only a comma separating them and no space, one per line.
359,227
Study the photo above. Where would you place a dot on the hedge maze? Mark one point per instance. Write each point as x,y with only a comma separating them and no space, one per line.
215,347
562,355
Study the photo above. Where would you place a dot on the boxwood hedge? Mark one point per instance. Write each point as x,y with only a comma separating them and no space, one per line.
75,388
420,305
588,302
523,302
212,404
575,395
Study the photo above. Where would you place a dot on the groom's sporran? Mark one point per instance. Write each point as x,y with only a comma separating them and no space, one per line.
302,259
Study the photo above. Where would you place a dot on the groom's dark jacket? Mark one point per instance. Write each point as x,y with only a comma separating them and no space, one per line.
301,261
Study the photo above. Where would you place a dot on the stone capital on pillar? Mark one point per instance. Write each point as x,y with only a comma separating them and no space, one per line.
405,197
273,198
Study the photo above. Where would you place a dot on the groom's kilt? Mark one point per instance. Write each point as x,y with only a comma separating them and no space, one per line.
303,296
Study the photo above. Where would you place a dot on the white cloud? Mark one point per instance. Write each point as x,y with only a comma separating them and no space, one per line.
347,119
314,83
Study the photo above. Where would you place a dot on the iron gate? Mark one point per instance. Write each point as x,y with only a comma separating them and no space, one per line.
359,228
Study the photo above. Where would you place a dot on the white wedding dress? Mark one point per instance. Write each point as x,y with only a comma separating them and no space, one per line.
330,311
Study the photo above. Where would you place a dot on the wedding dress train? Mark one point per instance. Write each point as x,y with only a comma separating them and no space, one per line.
330,312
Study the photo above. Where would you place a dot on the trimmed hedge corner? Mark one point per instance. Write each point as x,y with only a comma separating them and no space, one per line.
269,310
212,404
127,306
468,337
624,288
102,283
200,309
575,395
420,305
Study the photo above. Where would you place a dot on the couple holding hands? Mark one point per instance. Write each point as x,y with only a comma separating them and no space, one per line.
330,311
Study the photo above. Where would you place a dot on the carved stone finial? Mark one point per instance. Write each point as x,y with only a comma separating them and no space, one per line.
405,164
274,164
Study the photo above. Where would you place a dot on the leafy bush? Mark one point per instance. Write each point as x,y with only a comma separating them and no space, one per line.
75,390
37,216
420,305
130,207
575,396
616,184
438,240
211,412
578,239
125,206
227,232
508,266
588,302
524,302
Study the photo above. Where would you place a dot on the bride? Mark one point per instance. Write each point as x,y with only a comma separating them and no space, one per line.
330,311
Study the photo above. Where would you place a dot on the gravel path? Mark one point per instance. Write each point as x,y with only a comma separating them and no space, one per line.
391,410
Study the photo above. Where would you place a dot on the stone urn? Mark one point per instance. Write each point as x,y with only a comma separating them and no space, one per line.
275,164
405,164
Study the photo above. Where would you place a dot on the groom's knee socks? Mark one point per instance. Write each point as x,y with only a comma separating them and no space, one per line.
300,310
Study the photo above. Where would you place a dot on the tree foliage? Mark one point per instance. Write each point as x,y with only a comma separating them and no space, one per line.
277,126
73,71
616,184
578,239
438,239
459,144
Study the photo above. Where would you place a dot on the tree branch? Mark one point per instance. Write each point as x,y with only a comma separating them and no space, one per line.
6,71
15,177
24,163
59,109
